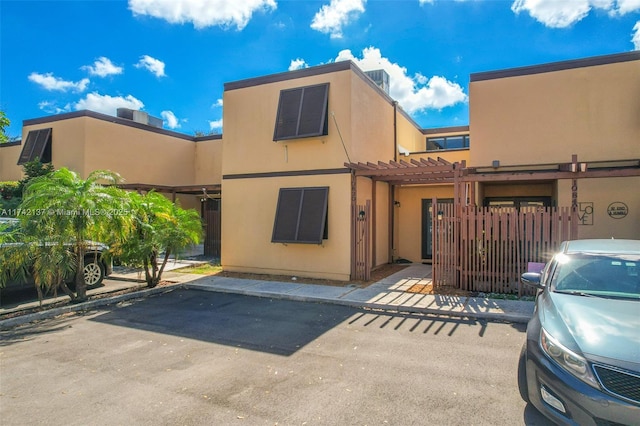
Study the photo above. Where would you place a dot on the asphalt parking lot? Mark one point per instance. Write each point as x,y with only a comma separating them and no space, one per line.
193,358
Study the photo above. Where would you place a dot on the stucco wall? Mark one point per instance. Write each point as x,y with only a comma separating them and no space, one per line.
248,214
249,121
595,196
360,128
139,156
84,144
408,229
371,136
9,169
67,143
208,162
409,136
383,219
546,117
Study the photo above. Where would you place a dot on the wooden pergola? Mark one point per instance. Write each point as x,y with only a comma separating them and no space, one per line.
431,171
413,172
202,190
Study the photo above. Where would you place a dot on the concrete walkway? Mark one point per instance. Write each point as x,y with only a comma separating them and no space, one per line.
388,294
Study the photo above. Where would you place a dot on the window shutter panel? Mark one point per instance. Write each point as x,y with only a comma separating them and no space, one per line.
314,110
302,112
288,113
287,216
301,215
36,144
312,215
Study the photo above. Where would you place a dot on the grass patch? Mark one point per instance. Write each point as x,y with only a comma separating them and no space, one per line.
202,269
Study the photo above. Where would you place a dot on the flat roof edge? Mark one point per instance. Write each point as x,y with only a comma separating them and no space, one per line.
557,66
313,71
104,117
289,75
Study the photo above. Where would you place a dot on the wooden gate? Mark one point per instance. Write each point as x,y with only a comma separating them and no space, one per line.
362,255
487,249
445,247
212,227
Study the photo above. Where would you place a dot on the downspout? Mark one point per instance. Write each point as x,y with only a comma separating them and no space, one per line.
395,131
392,218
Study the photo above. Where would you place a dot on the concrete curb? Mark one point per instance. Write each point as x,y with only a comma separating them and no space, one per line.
494,316
141,294
82,307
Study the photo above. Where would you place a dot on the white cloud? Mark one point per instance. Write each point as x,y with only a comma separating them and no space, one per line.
170,119
414,94
202,13
153,65
217,104
217,124
333,16
103,67
426,2
50,82
626,6
107,104
50,107
636,36
297,64
563,13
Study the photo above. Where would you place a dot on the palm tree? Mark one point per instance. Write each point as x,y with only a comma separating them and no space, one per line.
46,260
62,208
161,228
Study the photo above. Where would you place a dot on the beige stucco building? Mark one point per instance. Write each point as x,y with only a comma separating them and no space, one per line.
320,170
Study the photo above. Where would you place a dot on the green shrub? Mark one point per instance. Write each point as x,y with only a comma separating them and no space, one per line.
8,189
9,208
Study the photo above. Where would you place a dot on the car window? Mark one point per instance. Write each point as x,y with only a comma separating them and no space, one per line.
613,275
8,224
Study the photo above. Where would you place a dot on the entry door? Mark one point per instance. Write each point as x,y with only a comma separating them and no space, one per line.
427,225
213,230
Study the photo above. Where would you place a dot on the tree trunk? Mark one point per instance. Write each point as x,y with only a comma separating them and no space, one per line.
164,263
40,295
81,287
68,291
151,269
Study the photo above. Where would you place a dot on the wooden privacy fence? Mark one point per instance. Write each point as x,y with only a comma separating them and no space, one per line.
487,249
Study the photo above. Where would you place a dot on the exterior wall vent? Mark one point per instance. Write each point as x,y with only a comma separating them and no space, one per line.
381,78
141,117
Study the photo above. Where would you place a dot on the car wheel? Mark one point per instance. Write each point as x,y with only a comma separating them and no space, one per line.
522,374
93,272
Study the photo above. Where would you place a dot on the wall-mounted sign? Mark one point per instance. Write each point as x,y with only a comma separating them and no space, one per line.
618,210
585,213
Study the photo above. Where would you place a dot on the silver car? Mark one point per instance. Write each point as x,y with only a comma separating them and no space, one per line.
580,364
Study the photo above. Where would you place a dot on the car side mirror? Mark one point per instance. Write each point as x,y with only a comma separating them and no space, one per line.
533,279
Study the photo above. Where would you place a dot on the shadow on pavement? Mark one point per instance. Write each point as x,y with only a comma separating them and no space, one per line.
245,322
262,324
24,334
533,417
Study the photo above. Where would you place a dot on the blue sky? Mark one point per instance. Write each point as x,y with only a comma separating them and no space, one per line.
171,58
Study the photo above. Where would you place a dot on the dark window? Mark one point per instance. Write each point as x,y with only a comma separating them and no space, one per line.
302,112
517,202
448,142
37,145
301,215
